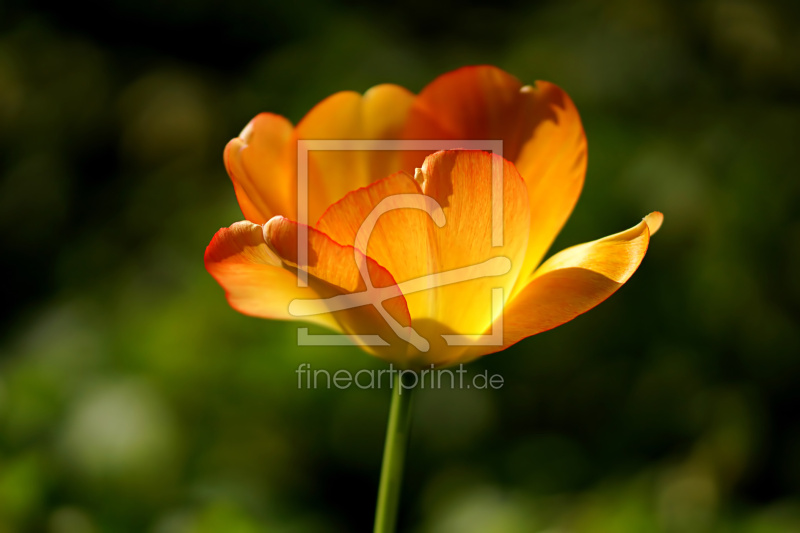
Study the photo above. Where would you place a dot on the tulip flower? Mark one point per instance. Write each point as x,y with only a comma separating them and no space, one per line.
424,258
543,166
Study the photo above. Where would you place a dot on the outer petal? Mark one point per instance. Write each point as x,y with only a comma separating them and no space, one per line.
334,274
253,277
573,281
480,102
552,159
541,133
262,161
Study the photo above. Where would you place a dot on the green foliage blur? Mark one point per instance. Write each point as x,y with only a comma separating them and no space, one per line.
133,399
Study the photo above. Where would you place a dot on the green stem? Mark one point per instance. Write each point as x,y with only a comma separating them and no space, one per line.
394,453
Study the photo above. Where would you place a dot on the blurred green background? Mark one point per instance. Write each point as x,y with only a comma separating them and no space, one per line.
133,399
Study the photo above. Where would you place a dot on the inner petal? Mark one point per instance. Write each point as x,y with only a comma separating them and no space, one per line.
398,239
442,247
483,240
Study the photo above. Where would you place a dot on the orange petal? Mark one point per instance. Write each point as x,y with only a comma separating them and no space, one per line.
552,159
540,129
253,277
384,110
446,272
262,161
333,271
473,103
262,166
573,281
399,239
442,270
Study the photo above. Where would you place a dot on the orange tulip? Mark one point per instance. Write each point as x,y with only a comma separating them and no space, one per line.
428,278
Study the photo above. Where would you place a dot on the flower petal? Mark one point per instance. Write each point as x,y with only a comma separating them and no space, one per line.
574,281
253,277
262,165
442,270
334,272
384,113
379,114
472,103
398,238
553,162
438,245
540,129
262,161
461,182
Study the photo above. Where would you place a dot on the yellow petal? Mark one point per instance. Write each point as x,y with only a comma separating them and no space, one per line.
476,220
572,282
654,221
253,277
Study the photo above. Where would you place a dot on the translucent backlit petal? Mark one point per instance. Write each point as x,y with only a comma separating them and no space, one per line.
444,260
552,159
462,183
333,270
399,239
540,129
253,277
481,102
377,115
263,165
574,281
410,244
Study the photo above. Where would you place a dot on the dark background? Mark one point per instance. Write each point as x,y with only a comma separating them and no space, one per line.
133,399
